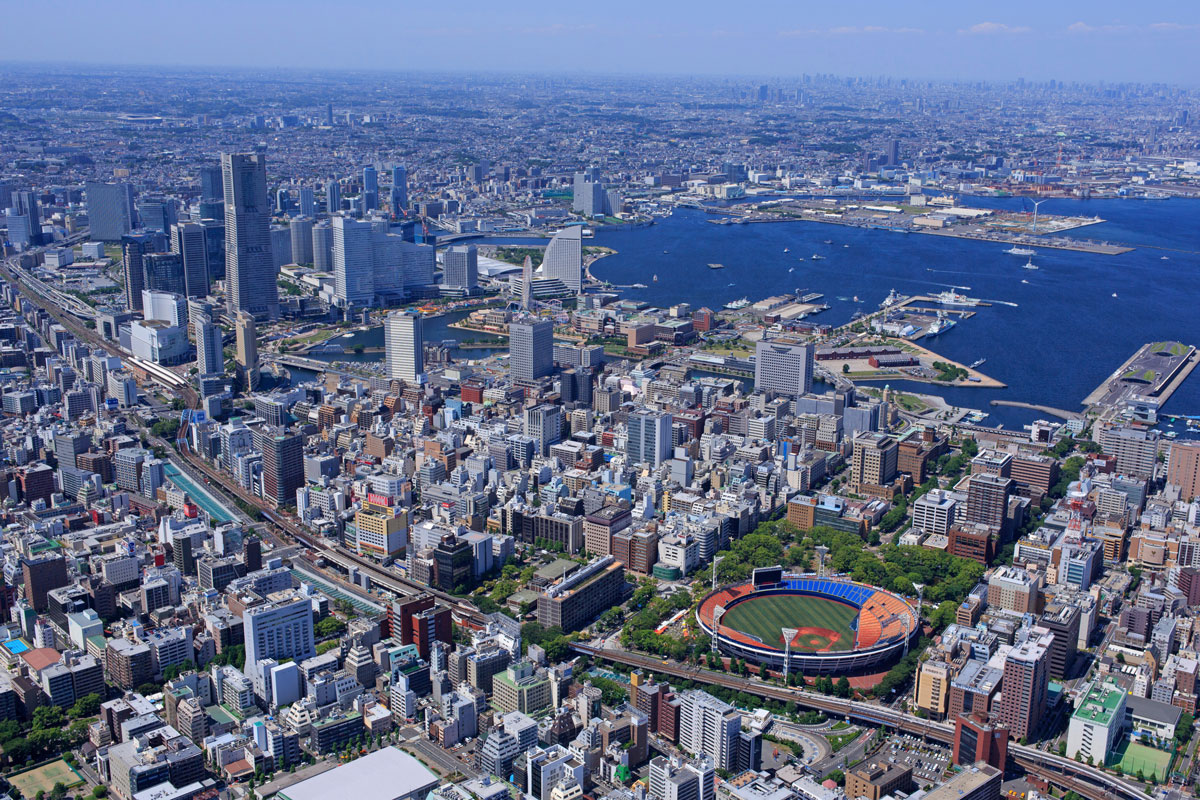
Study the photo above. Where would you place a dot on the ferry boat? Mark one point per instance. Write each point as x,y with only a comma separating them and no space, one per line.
736,305
1021,251
716,266
953,298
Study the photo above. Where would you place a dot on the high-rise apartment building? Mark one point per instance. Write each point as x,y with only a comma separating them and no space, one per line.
333,196
1135,449
1183,469
783,365
399,195
987,500
353,262
210,357
301,230
246,353
283,464
249,266
530,349
1026,678
370,186
134,248
710,727
404,343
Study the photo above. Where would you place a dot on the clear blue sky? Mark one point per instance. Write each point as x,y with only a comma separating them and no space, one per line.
1102,40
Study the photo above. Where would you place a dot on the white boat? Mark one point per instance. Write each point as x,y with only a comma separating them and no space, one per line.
953,298
787,250
891,299
829,241
791,269
1164,258
1029,265
940,325
656,279
1024,281
816,257
1114,294
1020,251
735,305
978,363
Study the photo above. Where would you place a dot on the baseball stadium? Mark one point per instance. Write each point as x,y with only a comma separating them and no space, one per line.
836,625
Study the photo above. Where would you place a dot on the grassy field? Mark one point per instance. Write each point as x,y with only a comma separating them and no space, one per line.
766,617
44,777
1136,757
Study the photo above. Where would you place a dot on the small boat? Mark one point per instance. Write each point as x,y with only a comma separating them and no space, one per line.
816,257
1024,281
733,284
787,250
1114,294
716,266
845,245
978,363
856,299
1164,258
791,269
656,279
829,241
665,252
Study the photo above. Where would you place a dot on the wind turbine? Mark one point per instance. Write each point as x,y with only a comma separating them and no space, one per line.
1036,204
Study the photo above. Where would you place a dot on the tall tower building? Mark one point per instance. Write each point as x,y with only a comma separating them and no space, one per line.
404,343
307,202
333,196
301,229
709,727
134,248
188,240
283,463
399,191
1025,682
110,211
249,266
210,358
322,246
370,193
210,183
530,349
564,258
1183,469
247,351
527,285
460,267
649,437
784,366
353,262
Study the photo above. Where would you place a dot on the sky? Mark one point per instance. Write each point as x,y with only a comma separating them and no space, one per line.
1099,40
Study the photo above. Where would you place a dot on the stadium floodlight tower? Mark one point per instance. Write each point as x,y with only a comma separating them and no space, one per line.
718,612
788,635
822,551
716,560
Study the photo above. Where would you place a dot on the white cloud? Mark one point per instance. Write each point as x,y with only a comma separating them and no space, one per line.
986,28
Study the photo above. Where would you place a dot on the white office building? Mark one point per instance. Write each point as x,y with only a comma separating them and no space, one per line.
649,437
784,366
280,628
564,258
404,344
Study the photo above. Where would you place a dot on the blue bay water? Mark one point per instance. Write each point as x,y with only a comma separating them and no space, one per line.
1066,335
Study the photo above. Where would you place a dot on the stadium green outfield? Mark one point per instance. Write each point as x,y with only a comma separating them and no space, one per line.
823,624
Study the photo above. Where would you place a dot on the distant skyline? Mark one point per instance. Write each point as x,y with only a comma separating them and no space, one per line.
1068,41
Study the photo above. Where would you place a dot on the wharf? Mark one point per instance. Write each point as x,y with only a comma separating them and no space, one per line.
1054,412
1155,371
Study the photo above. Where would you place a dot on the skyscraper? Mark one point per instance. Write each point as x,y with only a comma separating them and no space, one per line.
307,202
399,191
530,349
564,258
783,365
189,241
404,343
708,726
527,284
249,267
210,359
301,229
163,272
649,437
370,192
1025,682
1183,468
353,266
110,210
460,267
210,183
283,463
333,196
134,248
322,246
246,355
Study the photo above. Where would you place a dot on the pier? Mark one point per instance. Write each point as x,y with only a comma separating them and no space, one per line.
1054,412
1155,371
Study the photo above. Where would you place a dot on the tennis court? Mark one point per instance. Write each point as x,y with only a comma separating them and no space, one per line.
1133,757
44,777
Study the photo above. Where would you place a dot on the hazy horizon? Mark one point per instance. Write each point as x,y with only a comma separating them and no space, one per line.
938,41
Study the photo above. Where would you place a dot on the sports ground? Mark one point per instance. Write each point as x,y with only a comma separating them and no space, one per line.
1133,756
43,778
823,624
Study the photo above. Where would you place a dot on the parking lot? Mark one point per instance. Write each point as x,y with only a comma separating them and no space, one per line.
928,761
